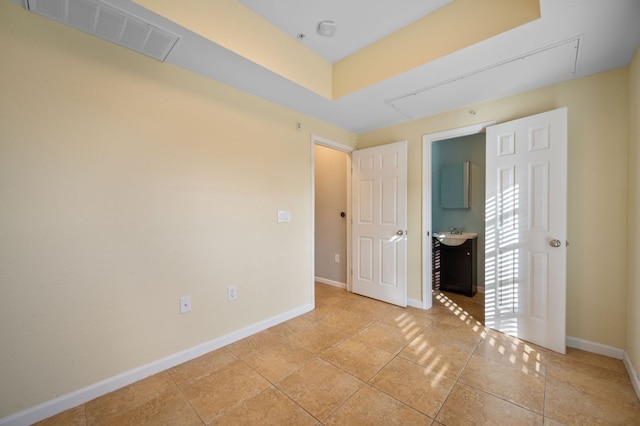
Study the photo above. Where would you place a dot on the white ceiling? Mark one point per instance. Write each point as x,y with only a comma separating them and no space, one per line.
574,38
359,23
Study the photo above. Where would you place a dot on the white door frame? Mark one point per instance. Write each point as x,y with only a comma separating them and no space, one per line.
427,202
319,140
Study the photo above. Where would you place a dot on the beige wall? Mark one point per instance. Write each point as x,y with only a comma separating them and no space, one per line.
597,204
126,183
331,199
633,298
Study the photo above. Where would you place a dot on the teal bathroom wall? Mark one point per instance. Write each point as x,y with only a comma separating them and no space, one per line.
468,148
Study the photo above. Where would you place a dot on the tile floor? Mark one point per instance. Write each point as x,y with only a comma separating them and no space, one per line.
356,361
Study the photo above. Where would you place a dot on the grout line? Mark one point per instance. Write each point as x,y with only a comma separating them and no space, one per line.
391,396
295,402
544,389
458,378
185,397
353,335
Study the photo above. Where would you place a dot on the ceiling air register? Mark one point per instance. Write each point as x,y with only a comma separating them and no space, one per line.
111,24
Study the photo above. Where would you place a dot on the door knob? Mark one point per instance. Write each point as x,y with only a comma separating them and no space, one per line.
555,243
400,232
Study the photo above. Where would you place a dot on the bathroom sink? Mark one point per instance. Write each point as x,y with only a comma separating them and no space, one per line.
449,239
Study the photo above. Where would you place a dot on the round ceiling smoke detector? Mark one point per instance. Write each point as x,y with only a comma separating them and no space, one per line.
327,28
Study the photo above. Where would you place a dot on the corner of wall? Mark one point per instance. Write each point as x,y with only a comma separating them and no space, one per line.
633,374
632,353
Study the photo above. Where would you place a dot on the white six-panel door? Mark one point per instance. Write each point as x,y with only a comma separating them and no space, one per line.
526,221
379,191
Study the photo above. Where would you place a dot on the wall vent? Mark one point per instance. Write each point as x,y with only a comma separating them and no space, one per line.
105,21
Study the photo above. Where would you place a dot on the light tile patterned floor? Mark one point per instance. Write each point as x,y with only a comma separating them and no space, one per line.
356,361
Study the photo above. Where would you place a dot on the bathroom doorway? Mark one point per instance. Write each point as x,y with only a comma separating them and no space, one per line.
449,148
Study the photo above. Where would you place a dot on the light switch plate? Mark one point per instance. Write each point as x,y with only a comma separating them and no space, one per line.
284,216
232,293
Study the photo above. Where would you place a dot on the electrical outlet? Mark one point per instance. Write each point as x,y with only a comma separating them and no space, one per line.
336,258
185,304
232,293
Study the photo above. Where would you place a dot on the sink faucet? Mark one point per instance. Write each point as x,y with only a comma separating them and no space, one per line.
456,231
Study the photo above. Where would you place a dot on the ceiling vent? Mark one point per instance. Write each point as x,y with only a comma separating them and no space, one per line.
97,18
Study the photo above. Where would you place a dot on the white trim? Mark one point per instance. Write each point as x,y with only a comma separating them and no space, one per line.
331,282
319,140
611,352
596,348
81,396
349,222
427,141
312,286
415,303
633,374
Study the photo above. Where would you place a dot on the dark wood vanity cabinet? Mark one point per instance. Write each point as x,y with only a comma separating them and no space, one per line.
455,268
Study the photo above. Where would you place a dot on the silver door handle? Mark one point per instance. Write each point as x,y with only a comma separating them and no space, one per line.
400,232
555,243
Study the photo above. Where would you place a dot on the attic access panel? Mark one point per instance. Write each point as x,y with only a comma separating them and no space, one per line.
540,68
100,19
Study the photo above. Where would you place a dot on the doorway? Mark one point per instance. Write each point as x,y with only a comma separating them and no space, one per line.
331,218
428,201
391,161
525,225
460,269
331,212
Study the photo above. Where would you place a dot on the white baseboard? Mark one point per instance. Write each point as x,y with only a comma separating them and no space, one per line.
81,396
331,282
415,303
596,348
410,302
611,352
633,374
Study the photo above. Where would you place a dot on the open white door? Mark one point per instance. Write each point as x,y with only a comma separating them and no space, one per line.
526,221
379,191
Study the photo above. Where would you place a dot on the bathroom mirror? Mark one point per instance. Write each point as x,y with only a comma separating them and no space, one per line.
454,186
